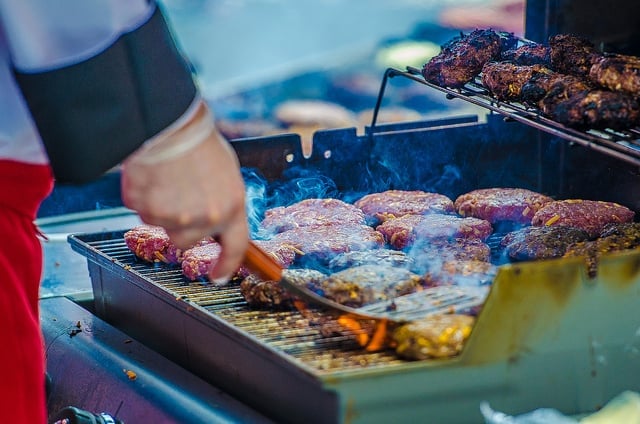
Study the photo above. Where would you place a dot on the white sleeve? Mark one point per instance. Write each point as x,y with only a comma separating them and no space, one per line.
99,77
48,34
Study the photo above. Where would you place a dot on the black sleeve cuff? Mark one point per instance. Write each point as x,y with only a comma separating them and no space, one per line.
93,114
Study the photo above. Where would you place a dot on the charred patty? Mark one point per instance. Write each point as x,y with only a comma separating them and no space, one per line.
365,284
269,294
532,243
462,58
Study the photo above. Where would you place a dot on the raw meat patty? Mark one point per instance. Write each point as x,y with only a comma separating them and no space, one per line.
270,294
197,261
378,207
409,229
589,215
152,244
325,241
531,243
365,284
311,212
501,204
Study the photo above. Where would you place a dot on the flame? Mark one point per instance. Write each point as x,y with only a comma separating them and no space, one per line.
300,305
378,340
352,324
372,341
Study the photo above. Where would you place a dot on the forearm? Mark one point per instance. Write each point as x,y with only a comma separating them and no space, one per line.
185,134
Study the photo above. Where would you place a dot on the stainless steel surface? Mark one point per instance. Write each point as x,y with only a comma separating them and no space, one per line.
65,272
96,367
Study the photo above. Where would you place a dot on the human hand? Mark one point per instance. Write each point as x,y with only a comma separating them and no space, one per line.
198,193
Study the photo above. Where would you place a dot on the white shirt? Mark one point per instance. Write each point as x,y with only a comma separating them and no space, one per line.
42,35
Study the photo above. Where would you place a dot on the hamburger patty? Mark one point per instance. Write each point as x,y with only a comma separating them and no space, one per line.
371,257
409,229
529,54
593,250
198,260
435,336
531,243
432,253
311,212
571,54
462,273
501,204
597,109
152,244
505,80
617,72
323,242
365,284
628,230
378,207
589,215
270,294
462,58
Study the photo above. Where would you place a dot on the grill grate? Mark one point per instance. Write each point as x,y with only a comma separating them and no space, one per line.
290,332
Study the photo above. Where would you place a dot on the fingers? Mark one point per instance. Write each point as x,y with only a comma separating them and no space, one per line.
234,241
196,194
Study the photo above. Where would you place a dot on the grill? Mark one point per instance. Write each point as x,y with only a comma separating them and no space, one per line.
287,331
533,333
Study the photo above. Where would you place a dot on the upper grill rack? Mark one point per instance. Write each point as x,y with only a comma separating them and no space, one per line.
622,145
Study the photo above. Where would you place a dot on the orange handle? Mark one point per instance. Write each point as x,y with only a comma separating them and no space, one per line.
261,263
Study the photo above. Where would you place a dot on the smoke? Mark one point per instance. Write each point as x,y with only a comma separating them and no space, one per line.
298,184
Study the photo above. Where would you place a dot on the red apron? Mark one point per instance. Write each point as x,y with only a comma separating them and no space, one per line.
22,389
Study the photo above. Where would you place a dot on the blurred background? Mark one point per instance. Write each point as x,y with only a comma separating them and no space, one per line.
239,43
255,57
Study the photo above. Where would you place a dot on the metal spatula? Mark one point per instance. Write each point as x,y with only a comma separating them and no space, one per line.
435,300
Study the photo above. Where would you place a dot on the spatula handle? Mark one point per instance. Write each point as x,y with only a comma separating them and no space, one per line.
261,263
